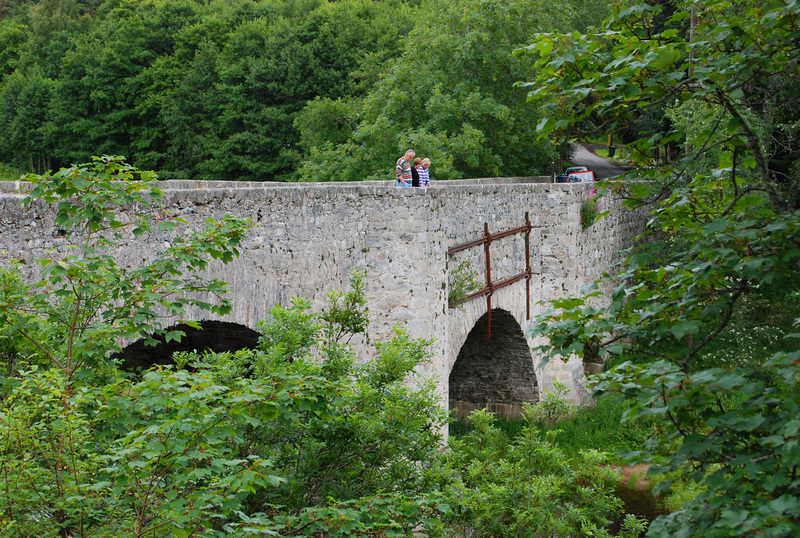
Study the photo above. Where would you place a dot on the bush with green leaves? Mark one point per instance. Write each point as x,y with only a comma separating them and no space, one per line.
309,440
527,487
463,281
591,208
743,457
8,173
552,407
88,302
245,443
597,426
62,393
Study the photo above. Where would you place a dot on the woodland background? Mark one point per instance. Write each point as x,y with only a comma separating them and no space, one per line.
277,90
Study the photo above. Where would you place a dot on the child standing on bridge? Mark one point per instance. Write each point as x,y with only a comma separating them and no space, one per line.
424,174
415,167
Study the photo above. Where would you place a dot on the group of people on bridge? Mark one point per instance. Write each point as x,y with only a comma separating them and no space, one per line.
411,172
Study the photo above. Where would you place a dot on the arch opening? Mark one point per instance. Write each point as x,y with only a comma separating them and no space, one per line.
495,373
216,336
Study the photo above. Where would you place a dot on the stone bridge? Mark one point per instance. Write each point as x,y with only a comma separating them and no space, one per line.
410,243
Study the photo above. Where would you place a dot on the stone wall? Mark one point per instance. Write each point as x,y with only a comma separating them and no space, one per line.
307,237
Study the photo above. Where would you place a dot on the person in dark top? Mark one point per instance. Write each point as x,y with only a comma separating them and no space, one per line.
414,173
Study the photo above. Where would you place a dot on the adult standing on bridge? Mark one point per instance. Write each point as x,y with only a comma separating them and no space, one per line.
403,169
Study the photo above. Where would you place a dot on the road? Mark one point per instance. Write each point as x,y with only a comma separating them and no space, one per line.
602,167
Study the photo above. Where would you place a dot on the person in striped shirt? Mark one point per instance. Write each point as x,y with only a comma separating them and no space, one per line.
402,172
424,174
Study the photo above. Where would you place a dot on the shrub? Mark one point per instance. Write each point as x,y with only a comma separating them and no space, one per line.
526,487
463,281
552,407
591,208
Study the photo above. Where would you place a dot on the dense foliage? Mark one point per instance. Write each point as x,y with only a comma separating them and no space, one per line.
274,90
528,487
727,84
722,239
191,89
451,97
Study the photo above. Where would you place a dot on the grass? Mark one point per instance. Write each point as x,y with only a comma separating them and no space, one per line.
595,427
564,166
602,139
8,173
599,427
510,427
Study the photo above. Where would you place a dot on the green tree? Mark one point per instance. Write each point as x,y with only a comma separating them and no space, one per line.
12,39
741,70
51,28
50,16
193,89
451,97
99,103
183,96
270,69
24,98
326,121
722,238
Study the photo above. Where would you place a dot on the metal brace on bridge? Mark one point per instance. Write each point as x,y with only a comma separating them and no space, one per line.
491,286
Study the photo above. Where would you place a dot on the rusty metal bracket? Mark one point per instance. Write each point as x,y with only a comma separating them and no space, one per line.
491,286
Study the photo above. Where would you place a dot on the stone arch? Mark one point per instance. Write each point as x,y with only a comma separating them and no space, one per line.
495,373
216,336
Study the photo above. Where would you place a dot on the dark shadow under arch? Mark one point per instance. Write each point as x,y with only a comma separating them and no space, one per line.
495,373
216,336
